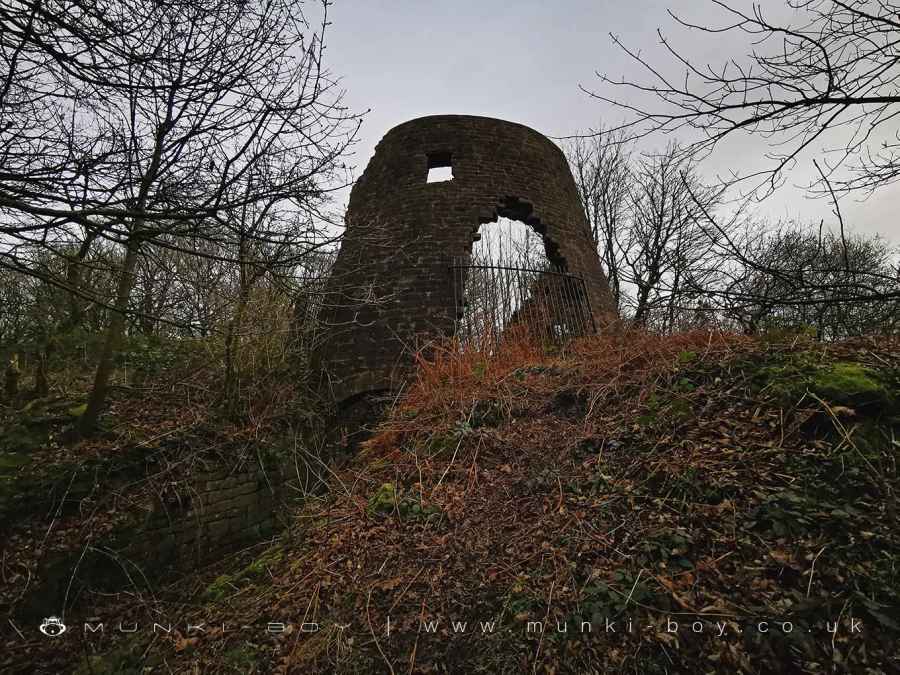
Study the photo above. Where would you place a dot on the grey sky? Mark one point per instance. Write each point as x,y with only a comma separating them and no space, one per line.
524,60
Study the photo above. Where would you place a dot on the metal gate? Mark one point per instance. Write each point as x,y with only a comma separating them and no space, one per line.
495,302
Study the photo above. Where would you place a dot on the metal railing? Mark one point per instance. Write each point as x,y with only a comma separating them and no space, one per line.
498,301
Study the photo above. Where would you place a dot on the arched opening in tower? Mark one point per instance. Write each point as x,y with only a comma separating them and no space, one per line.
514,285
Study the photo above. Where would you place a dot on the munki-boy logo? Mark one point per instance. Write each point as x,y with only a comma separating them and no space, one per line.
52,627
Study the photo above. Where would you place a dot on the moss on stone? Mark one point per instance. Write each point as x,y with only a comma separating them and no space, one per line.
221,588
78,410
30,428
31,405
845,383
11,461
871,440
384,500
259,566
412,509
225,585
851,384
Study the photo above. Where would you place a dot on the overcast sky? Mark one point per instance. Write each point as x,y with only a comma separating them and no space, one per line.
524,60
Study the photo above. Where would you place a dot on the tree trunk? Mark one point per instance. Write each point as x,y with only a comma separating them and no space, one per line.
11,379
41,385
73,280
232,392
640,311
97,398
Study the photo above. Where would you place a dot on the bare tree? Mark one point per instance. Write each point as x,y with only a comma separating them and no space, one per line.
835,67
653,241
666,241
268,244
802,278
143,124
829,76
601,164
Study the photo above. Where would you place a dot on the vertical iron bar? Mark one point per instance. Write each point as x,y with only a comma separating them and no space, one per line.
550,303
573,313
495,307
587,299
568,308
455,310
524,297
563,318
533,299
463,309
553,281
509,304
547,303
506,304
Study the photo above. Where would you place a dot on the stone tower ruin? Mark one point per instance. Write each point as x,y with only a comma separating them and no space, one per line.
390,290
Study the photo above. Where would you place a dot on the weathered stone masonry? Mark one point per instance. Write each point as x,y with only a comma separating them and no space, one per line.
214,507
226,508
391,288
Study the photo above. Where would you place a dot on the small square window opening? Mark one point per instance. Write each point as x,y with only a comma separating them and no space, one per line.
439,174
440,167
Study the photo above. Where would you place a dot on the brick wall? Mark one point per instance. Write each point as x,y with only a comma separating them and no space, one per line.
391,289
168,521
216,512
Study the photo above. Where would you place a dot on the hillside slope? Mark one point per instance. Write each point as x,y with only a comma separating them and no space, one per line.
693,503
